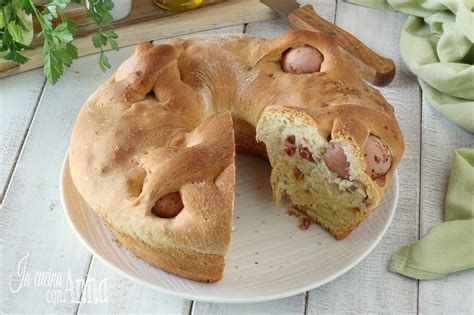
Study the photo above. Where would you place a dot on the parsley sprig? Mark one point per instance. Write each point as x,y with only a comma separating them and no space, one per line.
99,12
13,27
58,48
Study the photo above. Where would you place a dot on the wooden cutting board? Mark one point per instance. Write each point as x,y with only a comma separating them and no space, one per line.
142,11
147,22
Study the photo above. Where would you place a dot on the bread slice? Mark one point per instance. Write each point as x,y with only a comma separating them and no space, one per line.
301,174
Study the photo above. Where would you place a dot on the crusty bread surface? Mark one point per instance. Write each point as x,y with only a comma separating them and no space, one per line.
172,123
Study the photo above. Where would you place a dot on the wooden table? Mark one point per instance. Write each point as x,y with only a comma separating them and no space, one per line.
36,119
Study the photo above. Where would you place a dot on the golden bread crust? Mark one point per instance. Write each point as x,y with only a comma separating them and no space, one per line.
189,264
165,125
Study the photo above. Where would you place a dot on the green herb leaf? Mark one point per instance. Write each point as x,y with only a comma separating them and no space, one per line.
99,12
58,50
60,3
104,62
113,43
15,56
26,6
53,68
61,33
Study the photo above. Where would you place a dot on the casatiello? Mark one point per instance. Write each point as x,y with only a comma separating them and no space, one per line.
153,148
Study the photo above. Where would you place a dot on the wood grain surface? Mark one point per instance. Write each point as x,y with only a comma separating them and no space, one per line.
231,12
142,11
453,294
37,121
19,96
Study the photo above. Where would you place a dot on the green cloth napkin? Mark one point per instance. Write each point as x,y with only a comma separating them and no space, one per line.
447,247
437,45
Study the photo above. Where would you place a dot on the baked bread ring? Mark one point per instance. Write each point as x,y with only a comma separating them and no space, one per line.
152,151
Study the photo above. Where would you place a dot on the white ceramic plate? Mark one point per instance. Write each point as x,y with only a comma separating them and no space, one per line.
269,257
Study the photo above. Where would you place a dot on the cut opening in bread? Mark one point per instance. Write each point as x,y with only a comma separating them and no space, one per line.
295,149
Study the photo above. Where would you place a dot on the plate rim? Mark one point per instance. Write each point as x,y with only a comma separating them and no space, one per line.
198,298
